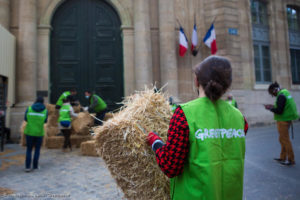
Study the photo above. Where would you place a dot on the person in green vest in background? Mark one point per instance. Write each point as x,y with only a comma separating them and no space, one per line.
35,116
205,150
63,96
231,101
66,113
97,105
172,104
285,111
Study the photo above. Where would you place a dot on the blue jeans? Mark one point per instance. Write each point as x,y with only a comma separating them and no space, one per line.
33,141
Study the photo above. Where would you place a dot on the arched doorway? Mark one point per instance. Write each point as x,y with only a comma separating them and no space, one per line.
86,51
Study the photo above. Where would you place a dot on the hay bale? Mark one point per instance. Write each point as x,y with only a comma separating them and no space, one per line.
108,116
76,140
121,142
56,142
52,120
23,138
88,148
51,109
77,108
52,131
82,123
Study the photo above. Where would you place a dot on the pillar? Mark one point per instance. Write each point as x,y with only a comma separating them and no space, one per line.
128,60
142,44
168,60
27,52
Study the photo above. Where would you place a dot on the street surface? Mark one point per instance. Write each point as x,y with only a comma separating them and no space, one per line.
72,176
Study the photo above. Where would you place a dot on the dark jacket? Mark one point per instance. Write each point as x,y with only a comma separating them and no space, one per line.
38,107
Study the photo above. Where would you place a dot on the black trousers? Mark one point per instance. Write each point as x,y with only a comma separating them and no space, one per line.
100,115
67,135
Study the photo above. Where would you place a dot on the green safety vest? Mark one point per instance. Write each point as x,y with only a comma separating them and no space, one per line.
290,109
62,97
64,113
101,105
35,122
232,102
215,164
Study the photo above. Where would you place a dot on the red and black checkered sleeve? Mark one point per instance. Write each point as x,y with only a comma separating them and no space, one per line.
171,156
246,127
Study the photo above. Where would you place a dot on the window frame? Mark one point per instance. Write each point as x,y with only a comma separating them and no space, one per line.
262,67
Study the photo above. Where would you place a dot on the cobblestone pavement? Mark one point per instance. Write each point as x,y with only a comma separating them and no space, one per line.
62,176
72,176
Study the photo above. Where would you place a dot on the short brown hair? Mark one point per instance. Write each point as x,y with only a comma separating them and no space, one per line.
214,74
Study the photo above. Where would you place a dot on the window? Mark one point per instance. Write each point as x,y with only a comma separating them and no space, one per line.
295,65
261,42
293,18
262,63
259,13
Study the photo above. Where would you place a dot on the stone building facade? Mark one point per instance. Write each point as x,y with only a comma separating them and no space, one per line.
254,34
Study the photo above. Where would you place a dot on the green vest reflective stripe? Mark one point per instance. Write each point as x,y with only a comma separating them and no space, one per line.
101,105
232,102
62,97
290,110
64,113
35,122
215,164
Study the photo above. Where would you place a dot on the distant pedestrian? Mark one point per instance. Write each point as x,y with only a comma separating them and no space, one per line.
35,116
97,105
64,95
66,113
231,101
285,111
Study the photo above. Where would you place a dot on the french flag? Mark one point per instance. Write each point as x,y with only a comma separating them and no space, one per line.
194,38
183,42
210,39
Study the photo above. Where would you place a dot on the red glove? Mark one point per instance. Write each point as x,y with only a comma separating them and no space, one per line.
152,137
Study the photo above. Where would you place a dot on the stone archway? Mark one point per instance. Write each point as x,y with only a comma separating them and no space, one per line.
44,29
126,20
86,51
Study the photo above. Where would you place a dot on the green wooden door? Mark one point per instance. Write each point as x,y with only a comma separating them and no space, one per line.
86,51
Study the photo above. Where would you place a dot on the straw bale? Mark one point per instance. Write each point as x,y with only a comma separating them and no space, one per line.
56,142
52,120
121,142
52,131
51,109
108,116
88,148
77,108
82,123
23,138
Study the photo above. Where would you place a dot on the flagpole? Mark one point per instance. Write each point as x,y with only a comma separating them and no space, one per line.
178,22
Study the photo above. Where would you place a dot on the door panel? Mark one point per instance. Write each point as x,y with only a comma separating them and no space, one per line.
86,51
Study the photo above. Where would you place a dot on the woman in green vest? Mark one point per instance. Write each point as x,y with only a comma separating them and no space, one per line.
285,111
205,150
66,113
35,116
97,105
